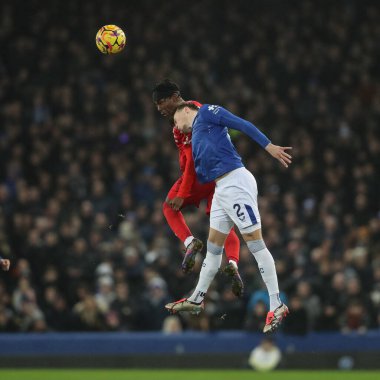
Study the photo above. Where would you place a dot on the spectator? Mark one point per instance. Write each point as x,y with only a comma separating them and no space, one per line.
355,318
255,319
266,356
124,307
88,315
298,324
172,325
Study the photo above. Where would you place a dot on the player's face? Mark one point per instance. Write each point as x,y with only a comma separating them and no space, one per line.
167,106
183,120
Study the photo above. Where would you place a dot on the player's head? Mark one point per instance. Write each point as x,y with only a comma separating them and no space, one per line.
166,96
184,116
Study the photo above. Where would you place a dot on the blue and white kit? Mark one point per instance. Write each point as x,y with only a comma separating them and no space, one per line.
235,198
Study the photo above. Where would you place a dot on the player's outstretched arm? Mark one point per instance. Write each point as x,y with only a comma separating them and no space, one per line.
229,120
279,152
217,114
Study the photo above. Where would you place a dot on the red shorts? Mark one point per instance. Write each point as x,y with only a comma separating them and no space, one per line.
199,192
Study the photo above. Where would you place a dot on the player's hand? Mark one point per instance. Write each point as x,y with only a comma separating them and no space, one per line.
5,264
279,152
176,203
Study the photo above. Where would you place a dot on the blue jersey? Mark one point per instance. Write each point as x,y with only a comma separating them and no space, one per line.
213,152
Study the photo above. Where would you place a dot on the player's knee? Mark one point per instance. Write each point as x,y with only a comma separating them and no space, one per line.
217,237
256,245
260,252
252,235
213,248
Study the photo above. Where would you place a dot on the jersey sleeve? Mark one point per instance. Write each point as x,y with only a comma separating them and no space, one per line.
219,115
188,176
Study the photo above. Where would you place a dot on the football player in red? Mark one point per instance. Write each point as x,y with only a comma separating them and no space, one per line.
188,191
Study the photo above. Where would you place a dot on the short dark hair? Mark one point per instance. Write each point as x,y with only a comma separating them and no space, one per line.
165,89
191,105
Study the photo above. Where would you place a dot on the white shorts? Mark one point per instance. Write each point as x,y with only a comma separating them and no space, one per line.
235,202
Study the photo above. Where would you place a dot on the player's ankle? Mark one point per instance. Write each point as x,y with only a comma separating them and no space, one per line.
194,303
274,301
188,241
233,262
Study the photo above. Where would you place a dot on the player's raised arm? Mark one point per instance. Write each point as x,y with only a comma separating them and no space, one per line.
229,120
221,116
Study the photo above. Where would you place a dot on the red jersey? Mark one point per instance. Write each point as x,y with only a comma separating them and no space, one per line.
186,162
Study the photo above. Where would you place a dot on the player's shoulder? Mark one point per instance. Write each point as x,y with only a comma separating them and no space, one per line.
199,105
214,108
210,110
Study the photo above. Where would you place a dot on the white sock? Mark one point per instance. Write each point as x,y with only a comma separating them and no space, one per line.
188,240
210,267
274,301
233,262
267,269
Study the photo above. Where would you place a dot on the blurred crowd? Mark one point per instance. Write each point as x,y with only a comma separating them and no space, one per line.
86,161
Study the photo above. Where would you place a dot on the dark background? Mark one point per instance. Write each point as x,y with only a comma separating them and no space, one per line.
86,161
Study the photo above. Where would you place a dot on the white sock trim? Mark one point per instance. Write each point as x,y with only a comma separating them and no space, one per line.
188,241
274,301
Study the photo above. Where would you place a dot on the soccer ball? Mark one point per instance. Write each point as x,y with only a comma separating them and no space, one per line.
110,39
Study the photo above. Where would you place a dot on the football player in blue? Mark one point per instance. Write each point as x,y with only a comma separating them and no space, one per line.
234,202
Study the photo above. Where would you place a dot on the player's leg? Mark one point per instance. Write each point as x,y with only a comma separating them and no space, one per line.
176,222
220,226
210,267
232,244
231,248
178,225
277,309
241,187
